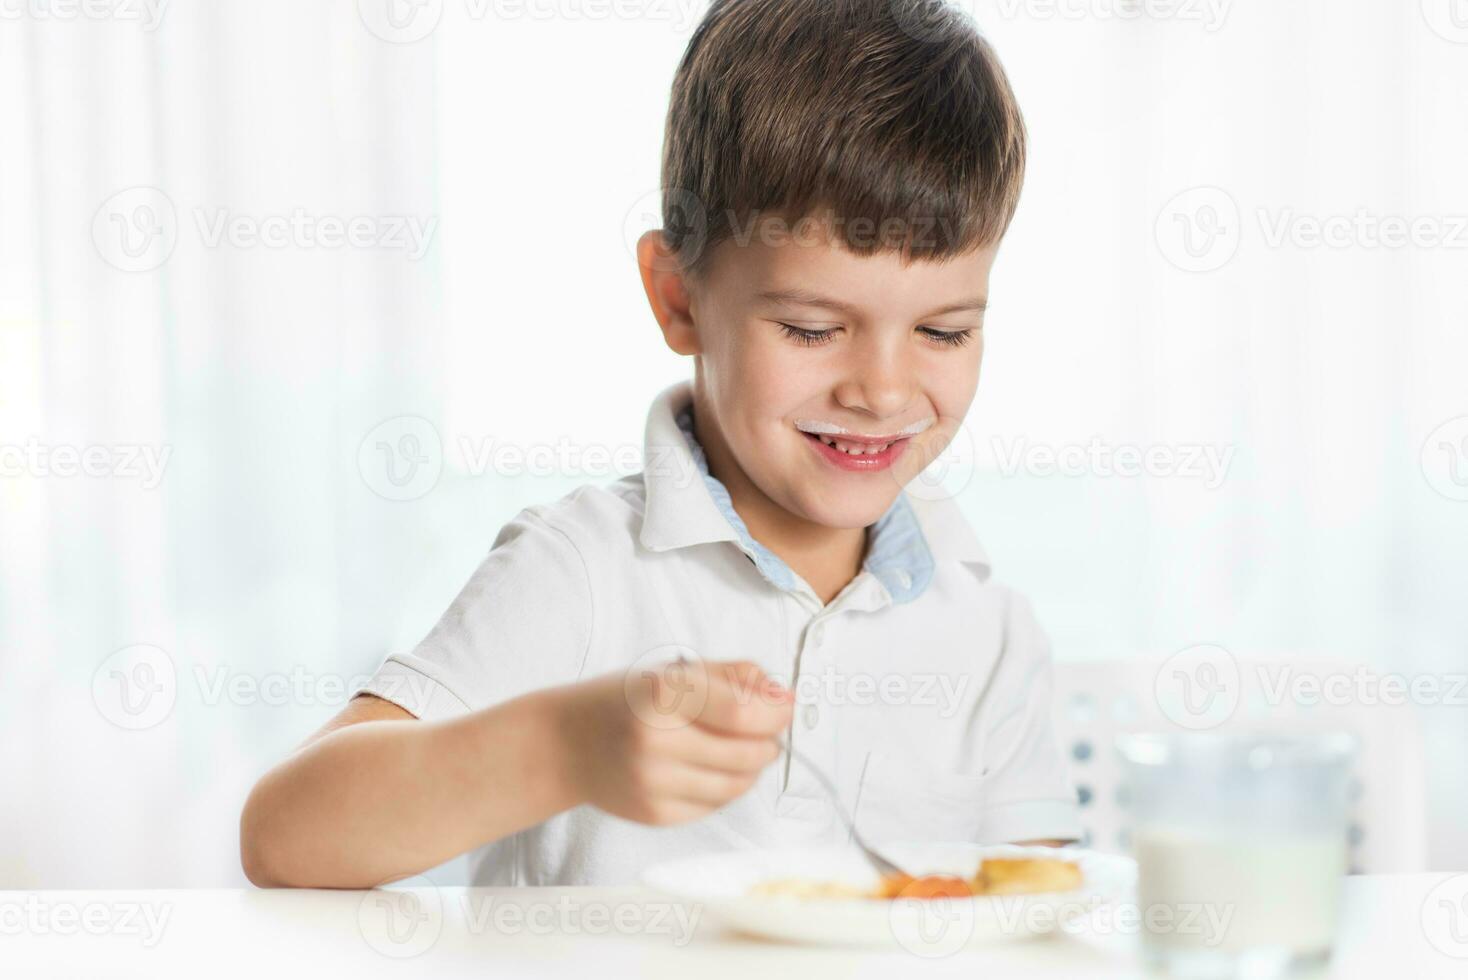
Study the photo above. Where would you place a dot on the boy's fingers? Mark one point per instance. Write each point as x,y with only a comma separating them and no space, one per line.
743,674
707,787
736,698
743,701
698,746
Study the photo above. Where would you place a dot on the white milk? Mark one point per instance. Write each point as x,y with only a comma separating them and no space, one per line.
1263,890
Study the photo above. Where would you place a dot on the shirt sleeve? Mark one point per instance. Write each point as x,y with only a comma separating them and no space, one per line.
1030,793
521,623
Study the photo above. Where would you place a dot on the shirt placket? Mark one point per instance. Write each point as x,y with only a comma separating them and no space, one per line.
814,726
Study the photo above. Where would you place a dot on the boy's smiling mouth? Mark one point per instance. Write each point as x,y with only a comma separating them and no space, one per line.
854,451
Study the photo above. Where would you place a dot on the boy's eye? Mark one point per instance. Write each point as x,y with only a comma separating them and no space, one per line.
952,338
812,338
809,338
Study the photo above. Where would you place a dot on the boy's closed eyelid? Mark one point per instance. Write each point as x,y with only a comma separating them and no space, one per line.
951,335
831,327
794,327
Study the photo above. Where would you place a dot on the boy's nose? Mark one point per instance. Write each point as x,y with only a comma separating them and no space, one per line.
881,386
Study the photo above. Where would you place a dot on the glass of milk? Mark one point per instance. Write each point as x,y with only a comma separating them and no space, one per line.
1241,847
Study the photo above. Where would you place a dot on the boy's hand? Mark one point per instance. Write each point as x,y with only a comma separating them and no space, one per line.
671,744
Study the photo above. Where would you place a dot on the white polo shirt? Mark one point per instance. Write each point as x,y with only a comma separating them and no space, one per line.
923,689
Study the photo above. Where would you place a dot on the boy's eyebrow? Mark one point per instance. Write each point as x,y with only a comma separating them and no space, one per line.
806,298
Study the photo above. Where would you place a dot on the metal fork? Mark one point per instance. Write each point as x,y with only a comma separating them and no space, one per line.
876,860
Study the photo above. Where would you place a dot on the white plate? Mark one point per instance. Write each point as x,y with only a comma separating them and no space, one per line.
720,884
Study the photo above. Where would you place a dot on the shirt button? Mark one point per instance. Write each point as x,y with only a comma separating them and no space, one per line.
815,635
903,578
811,716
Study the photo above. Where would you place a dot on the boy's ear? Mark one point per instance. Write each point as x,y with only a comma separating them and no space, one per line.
667,292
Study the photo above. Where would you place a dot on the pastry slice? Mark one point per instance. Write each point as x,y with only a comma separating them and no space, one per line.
1026,876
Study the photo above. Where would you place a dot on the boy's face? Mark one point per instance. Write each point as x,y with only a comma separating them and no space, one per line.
796,341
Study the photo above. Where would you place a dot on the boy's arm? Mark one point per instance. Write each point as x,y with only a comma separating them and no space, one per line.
377,795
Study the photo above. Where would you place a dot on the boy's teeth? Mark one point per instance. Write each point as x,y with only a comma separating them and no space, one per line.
853,448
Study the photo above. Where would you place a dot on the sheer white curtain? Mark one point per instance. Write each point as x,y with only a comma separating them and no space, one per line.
247,363
275,554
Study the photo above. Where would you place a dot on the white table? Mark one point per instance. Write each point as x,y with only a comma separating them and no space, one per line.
578,932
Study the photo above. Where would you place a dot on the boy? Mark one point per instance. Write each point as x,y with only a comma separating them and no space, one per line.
609,688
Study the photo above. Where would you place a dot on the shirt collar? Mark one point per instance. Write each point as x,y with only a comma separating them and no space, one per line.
687,505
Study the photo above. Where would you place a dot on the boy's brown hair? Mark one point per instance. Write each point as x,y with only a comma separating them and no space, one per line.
890,121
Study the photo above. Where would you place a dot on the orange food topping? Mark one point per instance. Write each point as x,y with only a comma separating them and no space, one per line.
928,886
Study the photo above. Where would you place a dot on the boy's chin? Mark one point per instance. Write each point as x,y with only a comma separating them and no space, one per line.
850,514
